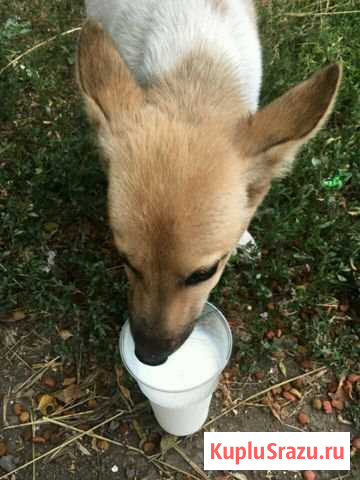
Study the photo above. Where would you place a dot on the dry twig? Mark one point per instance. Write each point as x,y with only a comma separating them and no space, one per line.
67,442
36,46
239,402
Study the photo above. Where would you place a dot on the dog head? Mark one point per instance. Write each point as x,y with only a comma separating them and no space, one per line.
180,194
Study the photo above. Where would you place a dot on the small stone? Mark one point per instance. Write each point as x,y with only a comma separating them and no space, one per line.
270,334
48,381
344,307
259,375
149,448
114,468
317,403
92,403
356,443
103,445
24,417
8,463
47,434
327,407
309,475
303,419
3,449
18,408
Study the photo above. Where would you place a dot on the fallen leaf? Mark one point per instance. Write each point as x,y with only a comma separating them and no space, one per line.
343,420
238,476
289,396
94,444
167,442
348,388
51,227
126,393
47,404
65,334
69,394
83,449
296,393
103,445
139,429
275,413
69,381
282,368
309,475
327,407
12,317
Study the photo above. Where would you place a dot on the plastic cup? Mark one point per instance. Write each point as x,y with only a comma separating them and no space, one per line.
180,390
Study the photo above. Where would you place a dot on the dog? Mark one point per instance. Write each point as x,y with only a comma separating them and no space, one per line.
172,89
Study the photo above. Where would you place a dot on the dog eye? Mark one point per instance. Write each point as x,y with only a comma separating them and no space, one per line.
201,275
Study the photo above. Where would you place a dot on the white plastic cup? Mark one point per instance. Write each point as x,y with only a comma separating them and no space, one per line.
181,389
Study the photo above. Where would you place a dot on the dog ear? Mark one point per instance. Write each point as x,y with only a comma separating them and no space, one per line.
276,133
105,81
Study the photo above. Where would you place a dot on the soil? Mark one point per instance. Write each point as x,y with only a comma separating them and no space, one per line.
25,353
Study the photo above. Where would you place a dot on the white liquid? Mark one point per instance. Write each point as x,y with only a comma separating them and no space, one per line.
196,361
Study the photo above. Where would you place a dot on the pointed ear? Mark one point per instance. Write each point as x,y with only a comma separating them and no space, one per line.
276,133
105,81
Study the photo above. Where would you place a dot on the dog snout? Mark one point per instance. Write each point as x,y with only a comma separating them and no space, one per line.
154,349
150,358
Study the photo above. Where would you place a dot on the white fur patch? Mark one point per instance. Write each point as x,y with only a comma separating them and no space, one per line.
153,35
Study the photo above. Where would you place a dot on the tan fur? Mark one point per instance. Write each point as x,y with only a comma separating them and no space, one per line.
188,166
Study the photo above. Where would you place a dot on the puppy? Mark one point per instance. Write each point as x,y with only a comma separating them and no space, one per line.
172,87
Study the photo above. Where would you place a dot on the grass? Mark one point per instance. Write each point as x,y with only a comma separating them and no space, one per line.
52,197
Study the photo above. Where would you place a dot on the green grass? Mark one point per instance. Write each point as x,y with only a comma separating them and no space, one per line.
52,195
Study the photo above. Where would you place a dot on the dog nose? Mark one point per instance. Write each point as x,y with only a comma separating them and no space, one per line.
152,359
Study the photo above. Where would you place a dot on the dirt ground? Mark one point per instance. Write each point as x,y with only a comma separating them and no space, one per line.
29,370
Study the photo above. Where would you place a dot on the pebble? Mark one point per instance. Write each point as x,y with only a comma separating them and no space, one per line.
114,425
130,469
8,463
3,448
317,403
303,418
